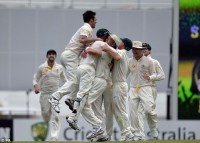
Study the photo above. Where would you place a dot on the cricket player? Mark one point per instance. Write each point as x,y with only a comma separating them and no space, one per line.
70,59
160,75
46,80
120,88
98,86
85,78
142,73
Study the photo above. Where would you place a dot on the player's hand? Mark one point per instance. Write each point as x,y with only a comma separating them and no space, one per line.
37,89
146,76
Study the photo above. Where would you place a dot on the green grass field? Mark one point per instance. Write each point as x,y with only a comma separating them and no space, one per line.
148,141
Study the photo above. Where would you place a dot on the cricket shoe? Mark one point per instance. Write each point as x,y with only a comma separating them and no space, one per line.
70,103
154,134
128,138
73,123
55,104
53,139
95,132
103,139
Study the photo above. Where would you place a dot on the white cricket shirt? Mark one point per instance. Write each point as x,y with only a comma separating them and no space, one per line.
138,68
92,59
120,69
49,78
74,43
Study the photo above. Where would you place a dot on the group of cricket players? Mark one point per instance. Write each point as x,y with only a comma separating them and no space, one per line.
94,72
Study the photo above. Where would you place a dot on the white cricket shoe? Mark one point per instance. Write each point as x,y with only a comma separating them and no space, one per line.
54,104
154,134
95,132
129,137
73,123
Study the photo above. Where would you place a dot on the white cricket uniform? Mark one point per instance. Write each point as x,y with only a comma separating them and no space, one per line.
85,79
160,75
48,79
98,87
141,91
120,89
70,60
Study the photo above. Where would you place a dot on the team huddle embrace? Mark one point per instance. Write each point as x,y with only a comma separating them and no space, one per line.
94,72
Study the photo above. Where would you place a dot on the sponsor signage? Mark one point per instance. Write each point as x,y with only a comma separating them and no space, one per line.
168,130
189,60
6,130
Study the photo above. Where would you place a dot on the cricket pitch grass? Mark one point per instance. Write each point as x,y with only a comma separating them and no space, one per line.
147,141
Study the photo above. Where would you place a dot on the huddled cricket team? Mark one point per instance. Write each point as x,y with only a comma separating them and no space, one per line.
94,73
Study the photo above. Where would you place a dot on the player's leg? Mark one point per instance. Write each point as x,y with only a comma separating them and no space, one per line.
152,127
148,103
107,101
119,108
141,117
85,77
69,60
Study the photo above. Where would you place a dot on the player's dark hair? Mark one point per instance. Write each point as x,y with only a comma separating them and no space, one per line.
88,15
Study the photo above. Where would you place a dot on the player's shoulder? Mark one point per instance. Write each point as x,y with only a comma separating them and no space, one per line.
86,28
59,65
155,61
42,65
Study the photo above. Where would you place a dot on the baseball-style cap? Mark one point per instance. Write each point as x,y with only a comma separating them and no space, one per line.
146,45
137,44
116,39
102,32
51,51
127,42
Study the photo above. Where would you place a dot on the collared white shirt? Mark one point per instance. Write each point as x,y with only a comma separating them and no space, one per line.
74,43
120,69
103,69
137,69
92,59
49,78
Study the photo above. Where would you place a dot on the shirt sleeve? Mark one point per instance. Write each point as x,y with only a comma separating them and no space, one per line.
120,52
37,76
129,70
85,32
160,75
152,70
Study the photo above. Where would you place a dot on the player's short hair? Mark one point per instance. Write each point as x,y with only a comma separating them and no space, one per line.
128,43
88,15
51,51
146,45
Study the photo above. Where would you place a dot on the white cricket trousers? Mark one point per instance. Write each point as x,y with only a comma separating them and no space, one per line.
50,115
85,78
92,110
119,107
145,97
141,113
107,100
95,98
70,62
